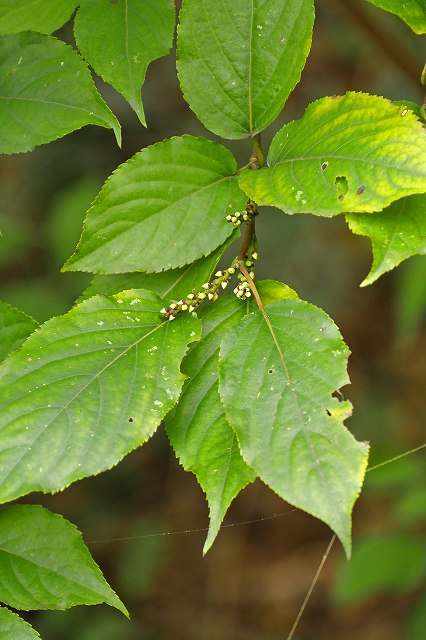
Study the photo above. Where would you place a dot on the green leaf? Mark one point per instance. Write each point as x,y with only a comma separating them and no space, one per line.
239,61
44,16
162,209
396,234
415,623
87,388
46,91
348,153
272,291
413,12
15,327
12,626
170,285
198,430
44,563
386,563
413,106
120,39
277,374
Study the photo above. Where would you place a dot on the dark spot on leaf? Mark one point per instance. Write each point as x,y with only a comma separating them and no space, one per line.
328,412
130,420
324,165
342,186
360,190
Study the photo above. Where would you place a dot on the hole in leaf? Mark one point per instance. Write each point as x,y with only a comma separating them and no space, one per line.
271,371
130,420
342,186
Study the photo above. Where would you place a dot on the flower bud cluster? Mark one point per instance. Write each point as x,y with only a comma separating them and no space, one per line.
242,290
239,216
209,291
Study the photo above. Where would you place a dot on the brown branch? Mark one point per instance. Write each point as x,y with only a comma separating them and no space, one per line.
248,235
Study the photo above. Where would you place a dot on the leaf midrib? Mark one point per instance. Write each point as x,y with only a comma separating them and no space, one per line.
81,390
303,430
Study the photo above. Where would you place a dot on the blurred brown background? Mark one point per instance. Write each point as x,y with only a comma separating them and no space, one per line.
251,584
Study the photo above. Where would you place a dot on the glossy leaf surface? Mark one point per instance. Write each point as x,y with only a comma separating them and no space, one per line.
198,429
348,153
12,626
413,12
164,208
277,377
397,233
44,563
15,327
87,388
46,91
239,61
137,33
34,15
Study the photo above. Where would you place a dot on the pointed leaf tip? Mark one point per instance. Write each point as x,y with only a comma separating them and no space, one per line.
277,377
138,33
198,429
397,233
47,92
34,575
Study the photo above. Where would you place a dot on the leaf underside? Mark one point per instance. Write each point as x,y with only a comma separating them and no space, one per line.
239,61
46,91
276,381
351,153
49,569
397,233
162,209
86,389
